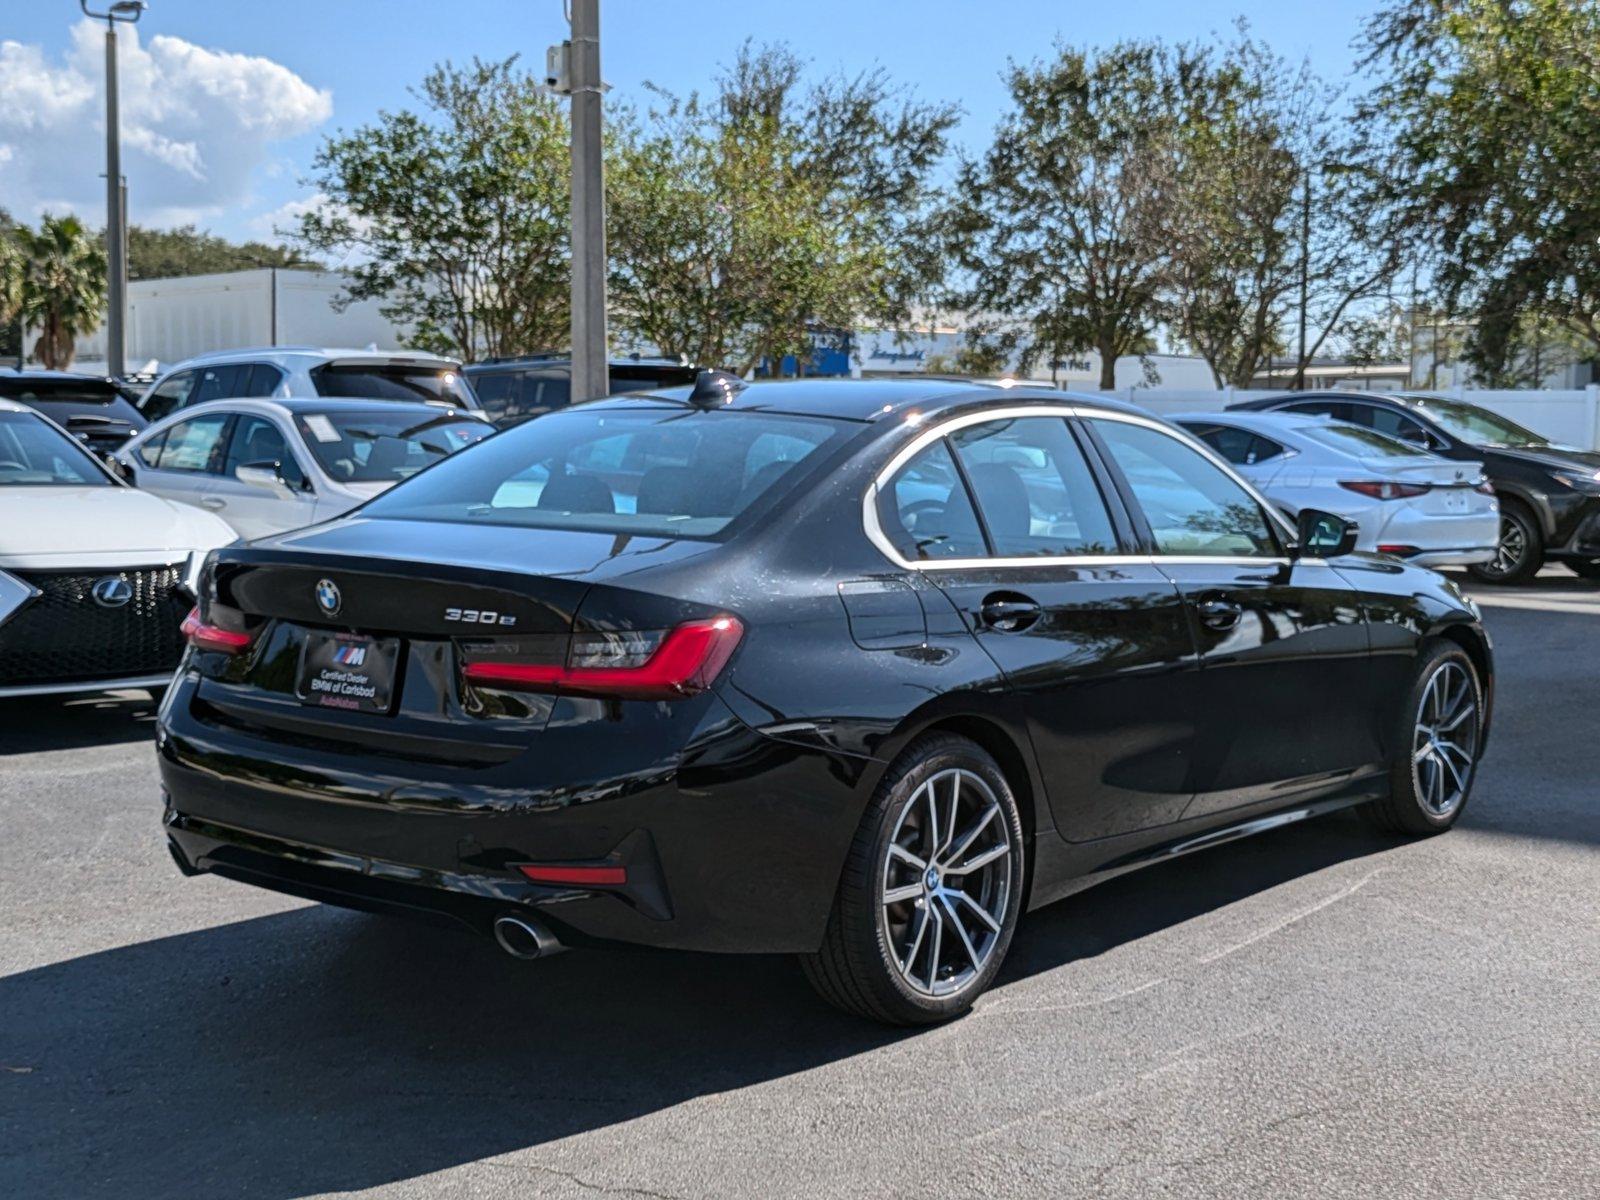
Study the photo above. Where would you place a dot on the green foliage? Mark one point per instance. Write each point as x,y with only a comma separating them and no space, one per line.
740,222
56,283
1063,222
10,289
456,217
168,253
1493,106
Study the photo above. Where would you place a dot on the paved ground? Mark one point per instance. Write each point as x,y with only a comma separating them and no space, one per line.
1318,1012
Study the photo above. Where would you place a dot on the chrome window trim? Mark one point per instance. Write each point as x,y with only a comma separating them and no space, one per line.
875,534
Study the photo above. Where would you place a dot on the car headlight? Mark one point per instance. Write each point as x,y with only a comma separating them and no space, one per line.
1580,481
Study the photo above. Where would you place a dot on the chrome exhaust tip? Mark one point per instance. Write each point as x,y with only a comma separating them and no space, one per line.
523,937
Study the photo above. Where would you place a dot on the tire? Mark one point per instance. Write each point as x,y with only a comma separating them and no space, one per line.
1586,568
874,962
1431,777
1521,552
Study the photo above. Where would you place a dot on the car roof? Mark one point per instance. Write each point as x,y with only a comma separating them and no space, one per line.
257,353
1267,421
59,376
288,406
1271,400
14,406
871,399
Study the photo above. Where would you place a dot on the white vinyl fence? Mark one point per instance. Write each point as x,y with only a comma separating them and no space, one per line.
1569,417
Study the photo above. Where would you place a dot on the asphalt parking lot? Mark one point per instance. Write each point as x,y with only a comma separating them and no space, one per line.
1319,1011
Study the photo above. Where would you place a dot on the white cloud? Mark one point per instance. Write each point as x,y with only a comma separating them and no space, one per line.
195,124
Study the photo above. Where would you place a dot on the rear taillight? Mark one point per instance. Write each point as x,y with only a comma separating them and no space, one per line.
632,664
1398,550
1385,490
203,636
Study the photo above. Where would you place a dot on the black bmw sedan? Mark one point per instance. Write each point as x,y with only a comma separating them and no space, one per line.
857,671
1549,493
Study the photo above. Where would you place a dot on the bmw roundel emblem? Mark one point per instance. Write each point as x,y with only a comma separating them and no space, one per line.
328,599
111,592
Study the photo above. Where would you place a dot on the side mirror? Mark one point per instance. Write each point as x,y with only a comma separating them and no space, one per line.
268,475
1324,534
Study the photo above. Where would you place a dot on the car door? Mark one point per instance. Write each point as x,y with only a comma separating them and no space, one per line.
1285,670
191,453
1010,519
258,440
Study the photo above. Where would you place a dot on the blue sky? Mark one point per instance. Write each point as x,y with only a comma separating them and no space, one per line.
227,99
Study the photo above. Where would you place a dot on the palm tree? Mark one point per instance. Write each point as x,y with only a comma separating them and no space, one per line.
63,286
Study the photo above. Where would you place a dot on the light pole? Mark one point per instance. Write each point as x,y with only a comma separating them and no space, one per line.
128,11
589,355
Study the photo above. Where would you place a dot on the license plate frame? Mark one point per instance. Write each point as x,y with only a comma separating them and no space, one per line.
350,672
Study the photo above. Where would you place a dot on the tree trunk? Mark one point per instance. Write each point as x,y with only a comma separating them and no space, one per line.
1108,368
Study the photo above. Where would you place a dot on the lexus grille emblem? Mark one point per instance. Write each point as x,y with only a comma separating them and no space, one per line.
328,597
111,592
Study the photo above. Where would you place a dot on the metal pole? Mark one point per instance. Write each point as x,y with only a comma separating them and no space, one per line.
116,256
589,370
1305,277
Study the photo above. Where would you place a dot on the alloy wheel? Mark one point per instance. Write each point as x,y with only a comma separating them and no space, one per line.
1513,547
1445,742
947,879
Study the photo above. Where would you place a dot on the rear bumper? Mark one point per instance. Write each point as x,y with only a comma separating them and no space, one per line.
67,686
1464,557
735,845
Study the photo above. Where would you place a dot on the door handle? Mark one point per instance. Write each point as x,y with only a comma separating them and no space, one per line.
213,502
1009,612
1218,612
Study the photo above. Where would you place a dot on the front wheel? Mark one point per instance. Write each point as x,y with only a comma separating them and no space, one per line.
1436,746
931,890
1520,553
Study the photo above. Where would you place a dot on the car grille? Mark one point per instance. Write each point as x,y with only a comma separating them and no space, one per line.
65,635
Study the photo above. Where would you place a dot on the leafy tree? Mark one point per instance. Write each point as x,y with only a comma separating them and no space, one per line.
456,217
1063,222
168,253
10,289
1492,106
738,224
61,288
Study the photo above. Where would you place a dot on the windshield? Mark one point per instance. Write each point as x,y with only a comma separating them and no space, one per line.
655,472
58,391
393,381
384,446
1363,443
1478,425
35,454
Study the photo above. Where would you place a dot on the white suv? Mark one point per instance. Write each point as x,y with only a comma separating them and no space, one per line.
309,371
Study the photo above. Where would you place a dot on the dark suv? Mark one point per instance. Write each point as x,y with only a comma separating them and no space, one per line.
513,390
89,407
1549,494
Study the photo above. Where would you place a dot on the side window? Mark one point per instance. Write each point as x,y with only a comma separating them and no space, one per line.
195,445
1396,425
925,510
1233,444
263,380
150,452
1336,409
1193,507
1034,488
1262,449
171,395
226,382
259,440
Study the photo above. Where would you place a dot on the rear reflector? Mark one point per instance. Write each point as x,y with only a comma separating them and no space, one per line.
1398,551
1386,490
647,666
607,876
212,637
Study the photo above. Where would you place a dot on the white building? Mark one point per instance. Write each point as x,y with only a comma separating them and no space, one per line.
173,319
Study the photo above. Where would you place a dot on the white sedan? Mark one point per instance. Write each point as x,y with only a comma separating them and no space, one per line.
95,577
266,466
1418,506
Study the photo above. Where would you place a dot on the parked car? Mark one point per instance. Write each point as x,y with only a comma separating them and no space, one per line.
279,371
95,577
513,390
854,670
90,407
1549,494
1403,501
269,465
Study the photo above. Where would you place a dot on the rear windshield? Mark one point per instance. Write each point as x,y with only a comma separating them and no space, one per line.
652,472
34,453
1364,443
384,446
58,391
393,381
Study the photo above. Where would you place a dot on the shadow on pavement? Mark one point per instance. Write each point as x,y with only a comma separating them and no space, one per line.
29,724
321,1051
